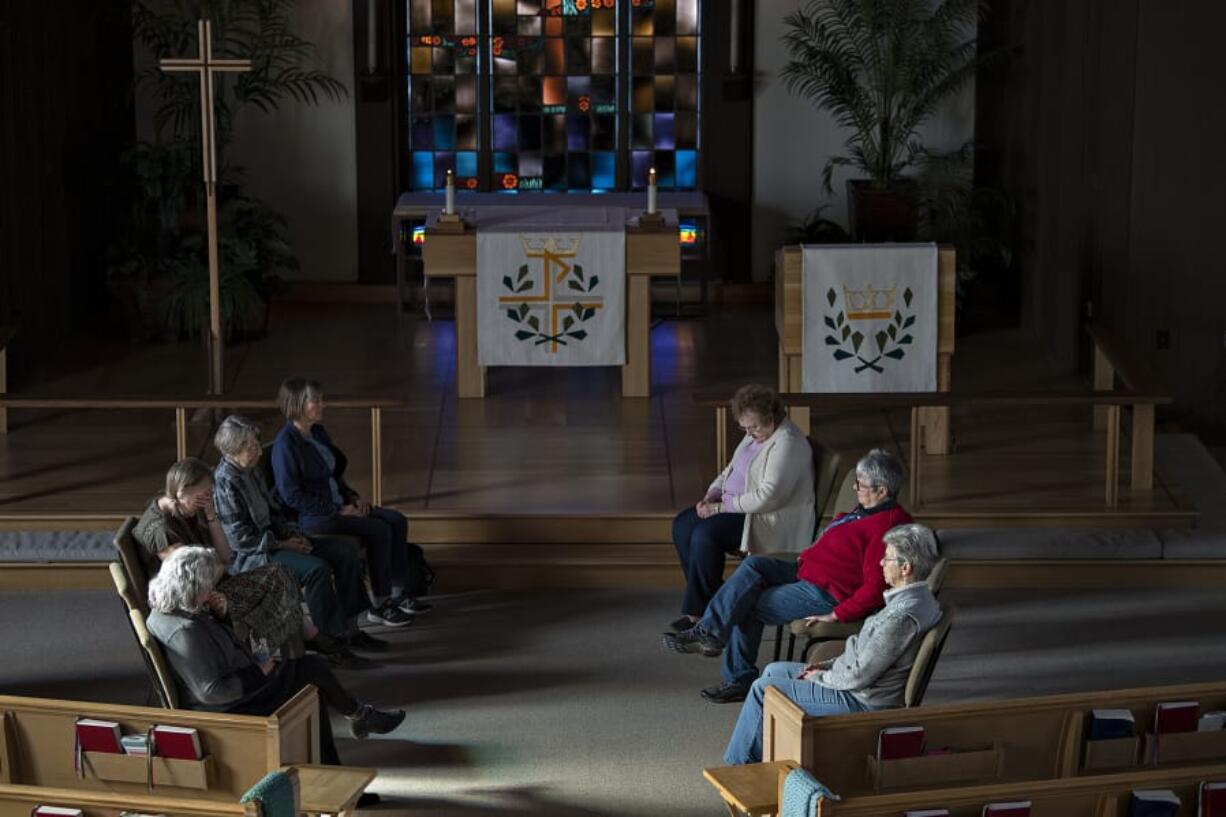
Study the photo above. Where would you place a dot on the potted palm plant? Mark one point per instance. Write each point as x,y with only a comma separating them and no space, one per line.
881,68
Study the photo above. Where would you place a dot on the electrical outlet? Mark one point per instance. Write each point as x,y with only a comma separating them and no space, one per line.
1162,340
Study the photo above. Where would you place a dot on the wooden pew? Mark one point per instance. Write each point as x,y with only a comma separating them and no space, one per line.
38,741
1096,796
1010,740
1104,795
321,789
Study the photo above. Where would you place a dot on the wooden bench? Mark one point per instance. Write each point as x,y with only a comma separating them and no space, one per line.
321,790
38,746
1010,740
1097,796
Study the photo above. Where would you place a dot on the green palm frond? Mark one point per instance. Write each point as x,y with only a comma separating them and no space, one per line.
881,68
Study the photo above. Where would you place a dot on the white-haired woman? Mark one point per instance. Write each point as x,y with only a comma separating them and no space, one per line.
216,672
265,601
329,569
872,671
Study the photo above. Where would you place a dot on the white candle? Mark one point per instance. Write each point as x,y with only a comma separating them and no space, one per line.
651,191
449,205
372,44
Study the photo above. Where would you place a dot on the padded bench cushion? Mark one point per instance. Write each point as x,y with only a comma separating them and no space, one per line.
1048,543
57,546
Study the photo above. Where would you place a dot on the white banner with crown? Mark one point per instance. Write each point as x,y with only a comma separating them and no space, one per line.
553,297
870,320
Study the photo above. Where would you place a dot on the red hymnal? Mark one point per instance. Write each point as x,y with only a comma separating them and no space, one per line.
896,742
1212,799
98,736
1176,716
178,742
1020,808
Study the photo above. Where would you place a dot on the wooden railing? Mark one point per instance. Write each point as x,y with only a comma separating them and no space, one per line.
181,407
1142,408
1108,367
6,336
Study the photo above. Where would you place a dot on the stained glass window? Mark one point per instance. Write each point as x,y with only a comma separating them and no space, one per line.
443,60
552,95
664,93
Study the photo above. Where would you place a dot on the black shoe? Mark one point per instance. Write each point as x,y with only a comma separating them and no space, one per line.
347,660
726,693
366,642
682,624
325,644
389,615
693,640
369,720
368,799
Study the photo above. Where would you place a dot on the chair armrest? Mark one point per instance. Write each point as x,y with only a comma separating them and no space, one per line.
826,630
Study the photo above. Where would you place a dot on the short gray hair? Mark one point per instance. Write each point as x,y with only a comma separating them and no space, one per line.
916,545
882,470
186,575
234,434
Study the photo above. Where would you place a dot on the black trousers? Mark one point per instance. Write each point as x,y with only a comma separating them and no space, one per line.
284,683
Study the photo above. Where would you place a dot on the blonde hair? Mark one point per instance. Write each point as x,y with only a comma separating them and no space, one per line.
187,473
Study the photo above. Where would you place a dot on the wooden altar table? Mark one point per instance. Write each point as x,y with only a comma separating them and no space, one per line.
650,253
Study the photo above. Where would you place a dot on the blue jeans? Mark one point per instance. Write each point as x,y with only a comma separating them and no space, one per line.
745,746
762,591
701,545
331,579
383,533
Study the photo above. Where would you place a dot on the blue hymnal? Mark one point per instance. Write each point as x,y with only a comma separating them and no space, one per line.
1111,723
1153,803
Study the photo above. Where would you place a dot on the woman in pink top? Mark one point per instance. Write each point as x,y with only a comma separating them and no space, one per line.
761,503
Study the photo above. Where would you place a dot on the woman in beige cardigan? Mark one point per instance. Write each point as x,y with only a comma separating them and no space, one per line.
762,502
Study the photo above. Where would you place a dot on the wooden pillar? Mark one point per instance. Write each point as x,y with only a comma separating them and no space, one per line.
1113,456
376,455
469,374
636,373
180,432
1104,380
1143,447
721,438
915,453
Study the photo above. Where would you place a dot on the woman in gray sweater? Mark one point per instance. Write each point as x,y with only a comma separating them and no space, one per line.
216,672
872,671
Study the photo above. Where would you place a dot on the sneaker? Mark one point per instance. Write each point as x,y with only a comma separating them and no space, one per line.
366,642
726,693
371,721
682,624
410,605
693,640
389,615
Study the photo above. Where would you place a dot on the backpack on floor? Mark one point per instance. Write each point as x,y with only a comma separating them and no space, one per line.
421,575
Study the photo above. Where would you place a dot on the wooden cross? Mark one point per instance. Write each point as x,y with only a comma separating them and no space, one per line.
205,65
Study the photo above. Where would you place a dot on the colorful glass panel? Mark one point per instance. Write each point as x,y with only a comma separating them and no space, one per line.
664,93
443,60
554,94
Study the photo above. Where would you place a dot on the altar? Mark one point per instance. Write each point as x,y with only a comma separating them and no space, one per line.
523,298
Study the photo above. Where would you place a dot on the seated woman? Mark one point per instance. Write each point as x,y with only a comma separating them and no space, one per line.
873,669
761,503
310,474
265,601
328,569
214,670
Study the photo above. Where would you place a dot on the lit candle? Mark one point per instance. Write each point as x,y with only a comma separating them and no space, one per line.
449,205
651,191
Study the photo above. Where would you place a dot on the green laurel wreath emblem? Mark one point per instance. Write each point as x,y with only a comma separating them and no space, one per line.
890,341
579,314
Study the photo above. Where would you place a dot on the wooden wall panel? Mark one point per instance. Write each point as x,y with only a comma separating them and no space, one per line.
65,77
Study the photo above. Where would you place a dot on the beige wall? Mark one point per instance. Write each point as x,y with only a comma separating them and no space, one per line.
792,141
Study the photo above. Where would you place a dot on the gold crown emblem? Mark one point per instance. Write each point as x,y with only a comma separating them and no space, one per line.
869,304
564,247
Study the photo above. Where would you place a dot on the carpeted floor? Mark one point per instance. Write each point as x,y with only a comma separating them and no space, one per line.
565,704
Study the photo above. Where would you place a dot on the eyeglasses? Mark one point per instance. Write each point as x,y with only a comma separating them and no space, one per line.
749,429
864,486
897,559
